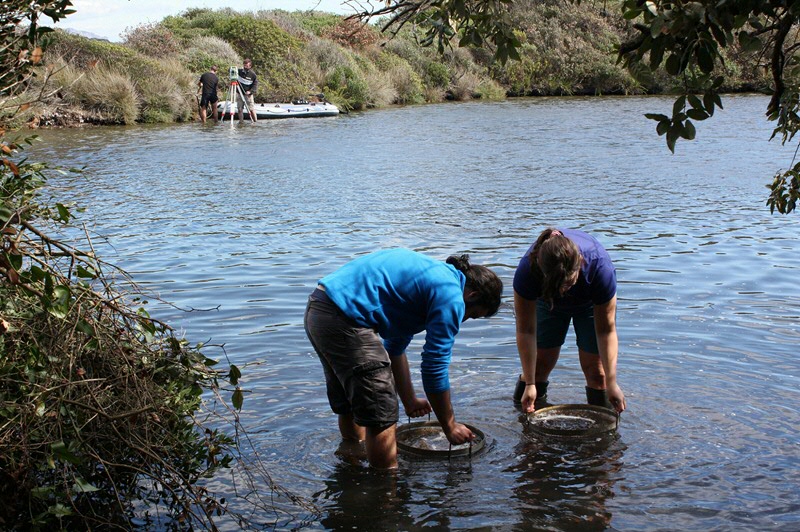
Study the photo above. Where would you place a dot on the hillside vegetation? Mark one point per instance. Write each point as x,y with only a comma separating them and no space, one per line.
152,75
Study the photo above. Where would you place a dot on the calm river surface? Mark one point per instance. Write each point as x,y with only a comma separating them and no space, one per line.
244,220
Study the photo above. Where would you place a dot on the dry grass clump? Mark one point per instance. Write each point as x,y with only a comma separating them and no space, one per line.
167,96
381,89
108,93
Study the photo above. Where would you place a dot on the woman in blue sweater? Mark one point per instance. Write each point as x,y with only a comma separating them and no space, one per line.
566,275
360,320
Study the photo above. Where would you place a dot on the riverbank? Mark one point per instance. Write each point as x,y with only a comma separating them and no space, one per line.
151,77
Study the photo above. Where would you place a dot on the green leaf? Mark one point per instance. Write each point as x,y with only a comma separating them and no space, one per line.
654,116
15,260
82,486
697,114
61,451
63,213
59,510
37,274
656,55
238,399
688,131
705,59
708,103
86,272
677,107
672,136
673,65
59,306
235,374
84,327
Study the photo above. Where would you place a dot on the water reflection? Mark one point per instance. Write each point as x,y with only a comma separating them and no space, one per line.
359,498
563,484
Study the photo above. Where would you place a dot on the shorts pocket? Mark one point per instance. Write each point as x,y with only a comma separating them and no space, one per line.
373,396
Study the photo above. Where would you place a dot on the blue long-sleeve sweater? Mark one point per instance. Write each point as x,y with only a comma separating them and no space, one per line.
399,293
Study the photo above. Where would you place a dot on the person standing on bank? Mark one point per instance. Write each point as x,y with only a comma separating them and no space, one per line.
248,82
566,276
360,320
208,85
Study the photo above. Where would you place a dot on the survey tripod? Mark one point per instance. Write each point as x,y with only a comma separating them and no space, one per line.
234,91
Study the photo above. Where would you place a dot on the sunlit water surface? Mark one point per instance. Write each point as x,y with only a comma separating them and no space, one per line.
241,222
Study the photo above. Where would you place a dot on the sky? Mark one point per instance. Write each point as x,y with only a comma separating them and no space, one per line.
109,18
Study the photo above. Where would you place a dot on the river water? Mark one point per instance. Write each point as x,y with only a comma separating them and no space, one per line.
240,223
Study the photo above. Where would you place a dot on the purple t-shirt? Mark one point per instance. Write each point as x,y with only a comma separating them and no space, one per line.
597,282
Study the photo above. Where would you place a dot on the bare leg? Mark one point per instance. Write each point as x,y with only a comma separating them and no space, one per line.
546,359
216,112
349,430
203,115
382,447
592,368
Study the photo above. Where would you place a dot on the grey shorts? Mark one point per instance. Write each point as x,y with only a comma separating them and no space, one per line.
552,326
358,372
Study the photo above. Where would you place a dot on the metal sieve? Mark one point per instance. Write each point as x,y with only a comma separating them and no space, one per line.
573,421
427,439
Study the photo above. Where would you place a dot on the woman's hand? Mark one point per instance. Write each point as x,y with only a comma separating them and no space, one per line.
529,398
418,407
616,397
458,434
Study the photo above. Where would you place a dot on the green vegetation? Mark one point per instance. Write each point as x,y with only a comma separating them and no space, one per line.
557,48
107,418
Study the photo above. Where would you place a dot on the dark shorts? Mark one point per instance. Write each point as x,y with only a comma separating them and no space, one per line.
552,326
358,372
207,99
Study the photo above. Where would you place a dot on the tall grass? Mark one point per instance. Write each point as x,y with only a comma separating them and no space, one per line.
108,94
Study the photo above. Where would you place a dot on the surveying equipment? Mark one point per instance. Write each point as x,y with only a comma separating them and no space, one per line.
234,90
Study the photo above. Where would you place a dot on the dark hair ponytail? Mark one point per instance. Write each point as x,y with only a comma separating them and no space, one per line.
482,280
553,259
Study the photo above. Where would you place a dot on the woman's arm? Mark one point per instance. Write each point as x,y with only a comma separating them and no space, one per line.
525,313
605,324
456,433
413,405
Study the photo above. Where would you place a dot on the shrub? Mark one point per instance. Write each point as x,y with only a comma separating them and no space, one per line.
204,51
315,22
352,33
154,40
348,85
436,75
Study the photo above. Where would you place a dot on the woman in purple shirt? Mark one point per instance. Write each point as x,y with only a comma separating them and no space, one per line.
566,276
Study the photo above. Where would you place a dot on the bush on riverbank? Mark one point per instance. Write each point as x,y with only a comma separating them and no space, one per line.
108,419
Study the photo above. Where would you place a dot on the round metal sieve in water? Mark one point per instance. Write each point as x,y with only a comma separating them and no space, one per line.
427,439
573,421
